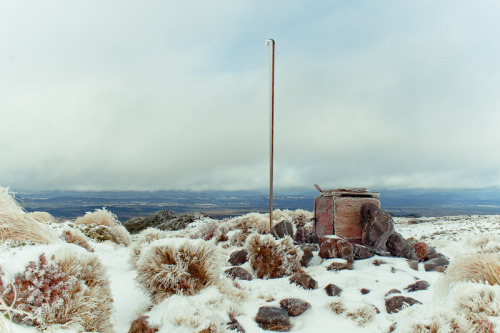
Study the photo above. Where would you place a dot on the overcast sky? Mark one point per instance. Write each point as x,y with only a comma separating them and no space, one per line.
145,95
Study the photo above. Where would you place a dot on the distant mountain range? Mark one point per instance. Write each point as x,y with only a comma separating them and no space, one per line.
219,204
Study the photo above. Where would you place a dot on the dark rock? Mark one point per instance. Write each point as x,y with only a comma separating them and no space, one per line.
304,280
163,219
335,247
377,262
307,254
332,290
176,223
400,247
421,250
294,306
413,264
238,272
238,257
234,325
397,303
393,291
338,266
377,226
419,285
440,269
274,319
140,325
362,252
429,265
303,236
434,256
364,291
282,229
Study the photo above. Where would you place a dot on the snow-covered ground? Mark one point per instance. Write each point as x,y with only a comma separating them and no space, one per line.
453,236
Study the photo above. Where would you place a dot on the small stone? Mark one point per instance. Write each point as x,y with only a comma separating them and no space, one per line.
362,252
282,229
238,272
294,306
393,291
364,291
140,325
338,266
304,280
377,262
274,319
421,250
398,303
419,285
332,290
413,264
238,257
429,265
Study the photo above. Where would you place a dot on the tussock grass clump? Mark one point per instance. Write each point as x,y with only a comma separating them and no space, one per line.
17,225
103,218
75,236
42,217
272,258
479,267
175,265
143,240
359,313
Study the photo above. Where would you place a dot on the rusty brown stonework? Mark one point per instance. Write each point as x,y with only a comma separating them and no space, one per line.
338,212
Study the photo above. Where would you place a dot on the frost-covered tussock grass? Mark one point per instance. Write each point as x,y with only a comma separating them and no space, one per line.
19,226
104,218
142,241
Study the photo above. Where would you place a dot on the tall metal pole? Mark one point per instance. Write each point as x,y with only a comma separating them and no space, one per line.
270,42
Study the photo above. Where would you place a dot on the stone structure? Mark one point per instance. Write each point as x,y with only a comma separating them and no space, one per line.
338,212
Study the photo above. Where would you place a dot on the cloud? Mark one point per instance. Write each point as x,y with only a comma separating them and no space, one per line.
174,95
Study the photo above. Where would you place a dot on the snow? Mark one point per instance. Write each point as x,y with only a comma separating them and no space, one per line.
452,236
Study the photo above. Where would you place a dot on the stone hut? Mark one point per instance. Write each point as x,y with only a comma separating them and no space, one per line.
338,212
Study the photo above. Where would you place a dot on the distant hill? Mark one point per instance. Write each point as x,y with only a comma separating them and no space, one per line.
220,204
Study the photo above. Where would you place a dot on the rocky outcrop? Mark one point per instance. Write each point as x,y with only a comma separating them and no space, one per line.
294,306
273,319
140,325
335,247
163,220
377,225
398,246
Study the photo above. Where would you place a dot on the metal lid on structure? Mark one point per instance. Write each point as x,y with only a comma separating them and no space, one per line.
347,192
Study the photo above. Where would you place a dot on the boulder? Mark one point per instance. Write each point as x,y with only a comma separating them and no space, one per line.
395,304
282,229
377,225
398,246
304,280
432,264
273,319
421,250
362,252
238,257
332,290
307,254
335,247
238,272
140,325
303,236
419,285
294,306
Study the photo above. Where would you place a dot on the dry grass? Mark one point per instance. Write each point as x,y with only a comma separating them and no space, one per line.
143,240
103,217
479,267
17,225
42,217
184,266
75,236
270,258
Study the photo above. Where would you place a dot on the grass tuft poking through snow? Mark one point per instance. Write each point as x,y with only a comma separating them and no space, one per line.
75,236
103,217
173,265
143,240
272,258
479,267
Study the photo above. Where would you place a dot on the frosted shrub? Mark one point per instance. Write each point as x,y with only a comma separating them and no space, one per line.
102,220
359,313
175,265
17,225
75,236
479,267
143,240
42,217
270,258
